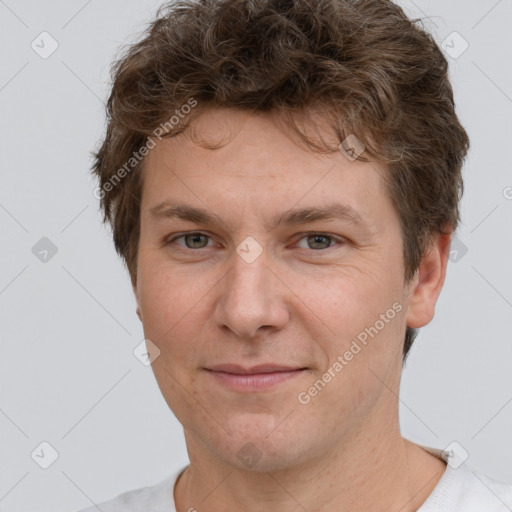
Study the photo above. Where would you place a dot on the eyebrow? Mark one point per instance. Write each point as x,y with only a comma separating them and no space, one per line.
297,216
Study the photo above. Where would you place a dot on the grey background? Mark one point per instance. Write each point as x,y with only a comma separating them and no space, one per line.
68,325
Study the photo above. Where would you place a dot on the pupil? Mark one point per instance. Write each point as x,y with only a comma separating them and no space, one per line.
195,239
317,238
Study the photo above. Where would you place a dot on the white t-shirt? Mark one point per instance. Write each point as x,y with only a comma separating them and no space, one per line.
459,489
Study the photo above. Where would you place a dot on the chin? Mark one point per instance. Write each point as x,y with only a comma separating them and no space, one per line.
262,446
257,457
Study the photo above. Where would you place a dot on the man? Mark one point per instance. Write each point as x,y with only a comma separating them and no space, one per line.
282,179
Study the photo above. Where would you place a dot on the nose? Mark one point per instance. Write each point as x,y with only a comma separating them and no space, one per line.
251,298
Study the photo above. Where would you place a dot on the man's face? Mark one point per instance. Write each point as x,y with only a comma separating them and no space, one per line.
247,290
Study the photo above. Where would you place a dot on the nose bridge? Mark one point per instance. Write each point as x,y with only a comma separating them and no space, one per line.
249,298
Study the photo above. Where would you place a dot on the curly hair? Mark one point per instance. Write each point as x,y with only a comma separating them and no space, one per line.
375,72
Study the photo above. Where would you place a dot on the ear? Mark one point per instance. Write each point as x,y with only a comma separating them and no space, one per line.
428,282
134,287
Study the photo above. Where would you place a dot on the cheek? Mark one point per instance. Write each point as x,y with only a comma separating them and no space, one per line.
361,316
363,354
171,308
167,294
351,298
171,305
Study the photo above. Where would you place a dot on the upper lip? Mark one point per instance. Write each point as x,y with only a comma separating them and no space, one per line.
261,368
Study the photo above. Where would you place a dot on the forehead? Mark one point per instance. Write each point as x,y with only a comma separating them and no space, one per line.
250,161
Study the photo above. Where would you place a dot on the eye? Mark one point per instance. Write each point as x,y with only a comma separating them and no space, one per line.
192,240
318,241
314,241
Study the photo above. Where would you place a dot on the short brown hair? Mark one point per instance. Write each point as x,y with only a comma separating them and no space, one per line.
378,74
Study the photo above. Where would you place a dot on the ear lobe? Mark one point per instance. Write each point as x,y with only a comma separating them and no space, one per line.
137,310
428,282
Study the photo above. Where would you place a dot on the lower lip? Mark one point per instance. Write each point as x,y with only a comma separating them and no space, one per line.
253,382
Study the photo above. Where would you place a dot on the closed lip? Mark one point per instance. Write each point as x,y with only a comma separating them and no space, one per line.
253,370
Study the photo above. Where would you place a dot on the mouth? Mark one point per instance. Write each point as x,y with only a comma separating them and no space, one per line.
256,378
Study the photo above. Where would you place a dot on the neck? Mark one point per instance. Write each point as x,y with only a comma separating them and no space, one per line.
378,473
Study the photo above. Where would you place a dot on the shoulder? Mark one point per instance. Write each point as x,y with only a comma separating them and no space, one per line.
134,500
483,493
464,489
157,498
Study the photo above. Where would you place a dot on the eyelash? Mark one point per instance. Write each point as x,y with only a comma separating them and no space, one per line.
333,238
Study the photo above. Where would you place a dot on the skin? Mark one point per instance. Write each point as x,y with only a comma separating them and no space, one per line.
300,303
